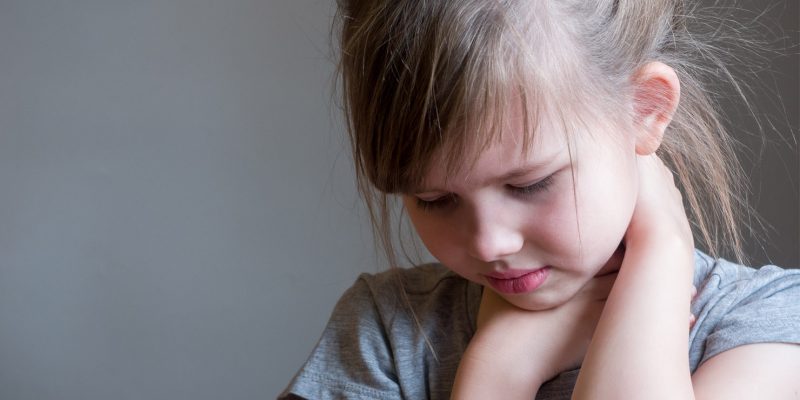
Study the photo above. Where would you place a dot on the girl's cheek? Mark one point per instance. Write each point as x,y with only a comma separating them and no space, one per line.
554,225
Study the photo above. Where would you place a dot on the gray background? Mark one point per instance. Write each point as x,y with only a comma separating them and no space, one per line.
177,214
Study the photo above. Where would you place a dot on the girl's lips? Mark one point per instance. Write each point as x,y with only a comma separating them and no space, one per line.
518,281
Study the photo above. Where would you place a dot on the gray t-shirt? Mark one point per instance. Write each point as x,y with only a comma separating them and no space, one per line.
372,348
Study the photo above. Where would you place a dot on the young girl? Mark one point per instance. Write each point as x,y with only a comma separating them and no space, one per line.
538,148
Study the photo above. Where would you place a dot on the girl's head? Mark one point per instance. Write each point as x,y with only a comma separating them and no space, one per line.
445,99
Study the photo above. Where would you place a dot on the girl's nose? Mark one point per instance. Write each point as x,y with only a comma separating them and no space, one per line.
491,239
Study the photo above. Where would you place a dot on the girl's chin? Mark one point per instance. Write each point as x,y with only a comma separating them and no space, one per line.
536,301
535,306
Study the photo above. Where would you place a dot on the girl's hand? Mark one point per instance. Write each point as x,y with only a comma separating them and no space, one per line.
552,341
514,351
659,216
648,303
659,226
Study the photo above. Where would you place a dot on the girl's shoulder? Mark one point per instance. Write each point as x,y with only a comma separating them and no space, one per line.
707,267
737,305
379,340
724,283
419,279
427,294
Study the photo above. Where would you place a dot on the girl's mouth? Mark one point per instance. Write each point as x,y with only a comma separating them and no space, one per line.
518,281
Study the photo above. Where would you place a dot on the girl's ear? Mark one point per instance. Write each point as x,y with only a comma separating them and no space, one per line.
657,91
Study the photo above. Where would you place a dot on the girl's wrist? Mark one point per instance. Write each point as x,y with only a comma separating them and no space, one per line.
488,370
658,251
659,241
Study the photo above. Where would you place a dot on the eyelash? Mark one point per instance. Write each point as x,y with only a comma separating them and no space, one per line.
537,187
449,200
441,202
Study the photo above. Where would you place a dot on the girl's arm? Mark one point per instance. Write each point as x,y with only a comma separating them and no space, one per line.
754,371
639,350
490,368
640,347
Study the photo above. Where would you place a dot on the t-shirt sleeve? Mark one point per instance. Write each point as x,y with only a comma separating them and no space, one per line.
353,358
752,306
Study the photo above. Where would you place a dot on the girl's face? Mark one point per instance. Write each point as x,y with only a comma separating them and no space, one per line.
533,227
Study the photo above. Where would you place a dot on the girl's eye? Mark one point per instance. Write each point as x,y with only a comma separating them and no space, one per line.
442,202
449,201
532,189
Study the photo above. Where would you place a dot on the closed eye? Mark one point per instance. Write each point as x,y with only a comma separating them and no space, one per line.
450,200
529,190
441,202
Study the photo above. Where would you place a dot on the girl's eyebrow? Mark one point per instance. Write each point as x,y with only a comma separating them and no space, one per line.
525,170
520,172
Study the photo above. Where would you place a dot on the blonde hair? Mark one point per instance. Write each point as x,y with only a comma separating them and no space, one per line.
421,76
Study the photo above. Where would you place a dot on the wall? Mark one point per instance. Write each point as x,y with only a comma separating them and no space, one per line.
177,212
